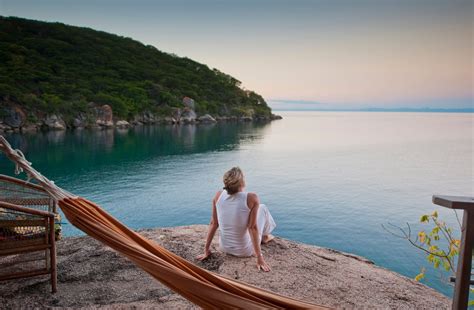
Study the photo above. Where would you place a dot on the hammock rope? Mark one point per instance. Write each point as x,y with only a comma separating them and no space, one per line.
204,288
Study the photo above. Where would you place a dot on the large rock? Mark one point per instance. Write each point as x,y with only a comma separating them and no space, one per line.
189,103
222,118
30,128
54,122
122,124
92,276
188,116
206,118
246,118
105,116
145,118
176,114
105,113
15,117
149,117
275,117
80,121
104,124
169,120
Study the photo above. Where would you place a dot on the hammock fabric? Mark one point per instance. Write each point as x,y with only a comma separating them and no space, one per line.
205,289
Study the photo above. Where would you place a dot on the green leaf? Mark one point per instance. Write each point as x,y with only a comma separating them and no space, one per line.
446,265
424,219
420,276
422,236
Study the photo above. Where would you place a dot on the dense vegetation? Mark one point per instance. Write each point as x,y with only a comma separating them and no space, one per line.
56,68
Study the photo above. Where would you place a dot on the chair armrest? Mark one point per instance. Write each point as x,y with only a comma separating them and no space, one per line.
13,207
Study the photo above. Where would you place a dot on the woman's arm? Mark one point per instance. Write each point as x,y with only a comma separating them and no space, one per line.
253,203
213,225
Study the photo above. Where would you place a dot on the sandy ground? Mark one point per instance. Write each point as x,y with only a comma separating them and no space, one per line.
92,276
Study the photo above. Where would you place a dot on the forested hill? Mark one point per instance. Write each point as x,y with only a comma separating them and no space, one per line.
54,68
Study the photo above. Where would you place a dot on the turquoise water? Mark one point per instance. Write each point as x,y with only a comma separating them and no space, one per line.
330,178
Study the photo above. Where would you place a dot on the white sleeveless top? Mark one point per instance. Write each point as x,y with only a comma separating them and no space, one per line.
233,217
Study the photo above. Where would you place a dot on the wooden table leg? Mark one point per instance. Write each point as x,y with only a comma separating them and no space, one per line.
463,274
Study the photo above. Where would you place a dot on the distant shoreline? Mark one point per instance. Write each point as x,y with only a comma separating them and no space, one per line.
56,123
379,110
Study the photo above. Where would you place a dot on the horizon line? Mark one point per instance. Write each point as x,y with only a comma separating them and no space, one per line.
419,110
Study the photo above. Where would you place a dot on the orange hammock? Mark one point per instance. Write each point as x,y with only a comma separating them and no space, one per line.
205,289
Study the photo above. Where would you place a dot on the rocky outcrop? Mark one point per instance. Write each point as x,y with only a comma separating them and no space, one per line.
93,276
80,121
176,114
145,118
221,118
246,119
274,117
30,128
189,103
188,116
169,120
54,122
105,116
15,117
206,118
102,116
122,124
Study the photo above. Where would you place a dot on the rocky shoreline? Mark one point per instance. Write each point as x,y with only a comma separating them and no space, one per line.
16,119
93,276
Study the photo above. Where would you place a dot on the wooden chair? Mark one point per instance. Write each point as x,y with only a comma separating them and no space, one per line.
27,224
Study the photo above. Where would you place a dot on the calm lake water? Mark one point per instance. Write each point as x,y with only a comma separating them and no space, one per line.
329,178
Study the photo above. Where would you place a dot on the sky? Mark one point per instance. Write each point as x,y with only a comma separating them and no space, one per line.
331,54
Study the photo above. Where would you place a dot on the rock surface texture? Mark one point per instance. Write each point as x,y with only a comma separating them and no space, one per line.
14,116
93,276
54,122
206,118
188,116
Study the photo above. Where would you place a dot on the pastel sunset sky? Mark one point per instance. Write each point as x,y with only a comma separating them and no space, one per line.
323,54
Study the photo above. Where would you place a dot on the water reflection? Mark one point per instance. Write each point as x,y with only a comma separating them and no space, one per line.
59,152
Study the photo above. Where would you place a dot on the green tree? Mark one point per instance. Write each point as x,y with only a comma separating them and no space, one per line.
58,63
438,242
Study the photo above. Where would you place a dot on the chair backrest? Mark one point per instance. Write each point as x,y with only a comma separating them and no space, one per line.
21,193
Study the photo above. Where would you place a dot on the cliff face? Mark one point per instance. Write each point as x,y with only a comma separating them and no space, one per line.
93,276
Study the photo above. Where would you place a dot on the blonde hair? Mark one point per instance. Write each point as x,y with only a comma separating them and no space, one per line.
233,180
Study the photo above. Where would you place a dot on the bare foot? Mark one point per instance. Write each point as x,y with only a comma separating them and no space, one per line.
267,238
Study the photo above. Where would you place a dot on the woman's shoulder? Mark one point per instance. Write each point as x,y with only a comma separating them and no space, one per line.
252,195
252,198
217,195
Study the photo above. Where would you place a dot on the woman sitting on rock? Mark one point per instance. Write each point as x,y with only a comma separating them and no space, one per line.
243,222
